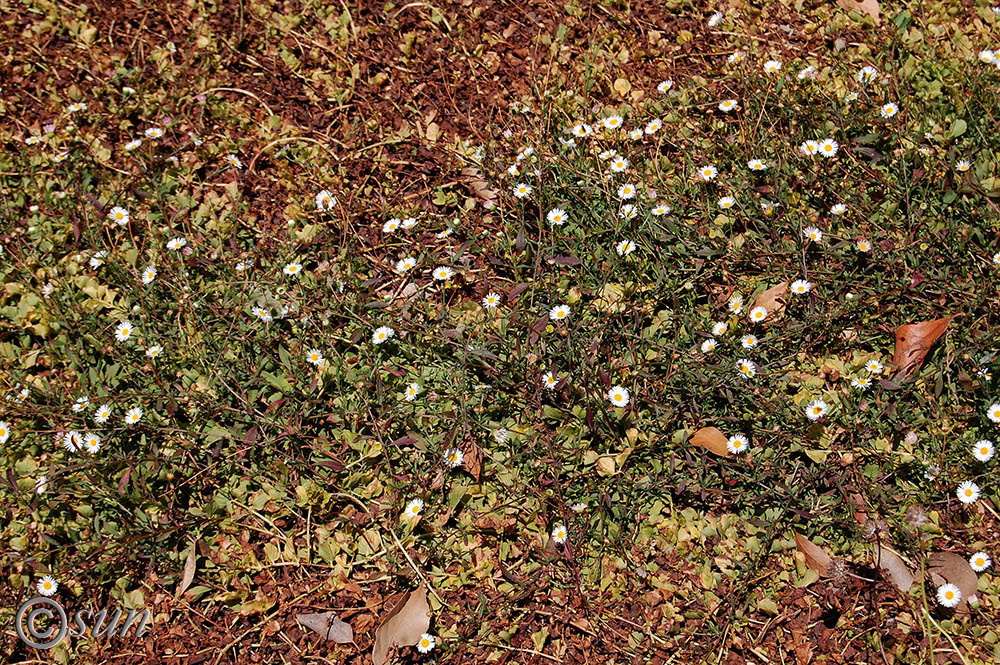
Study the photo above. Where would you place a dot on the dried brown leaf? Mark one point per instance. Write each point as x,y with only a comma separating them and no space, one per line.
477,182
869,7
190,564
328,625
913,341
773,300
403,626
952,568
473,460
711,439
892,564
816,558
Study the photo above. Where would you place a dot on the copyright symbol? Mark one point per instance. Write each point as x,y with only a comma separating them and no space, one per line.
35,634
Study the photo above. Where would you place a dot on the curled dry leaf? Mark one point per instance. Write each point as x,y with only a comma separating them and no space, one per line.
329,625
408,620
773,300
711,439
473,459
893,565
477,182
913,341
189,569
952,568
816,558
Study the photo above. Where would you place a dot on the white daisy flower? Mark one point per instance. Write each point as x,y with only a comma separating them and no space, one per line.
809,148
745,368
628,211
867,74
772,66
4,431
851,97
124,331
234,161
948,595
736,57
292,269
758,314
559,312
133,144
612,122
119,216
888,110
47,586
861,382
413,508
154,352
391,225
33,140
664,87
618,396
816,409
726,202
153,133
813,234
635,134
806,72
719,328
980,561
709,345
443,273
102,414
91,443
262,314
176,243
425,643
749,341
521,190
559,534
80,404
661,209
801,287
625,247
491,300
325,200
409,222
404,265
715,19
653,126
757,165
735,304
874,367
828,147
550,380
582,130
708,173
382,334
626,191
987,57
411,392
993,413
41,484
863,246
148,274
619,164
578,507
963,165
454,458
556,216
983,450
314,356
838,209
968,492
133,415
728,105
73,441
737,444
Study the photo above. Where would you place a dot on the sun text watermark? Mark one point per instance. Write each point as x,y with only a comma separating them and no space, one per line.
42,623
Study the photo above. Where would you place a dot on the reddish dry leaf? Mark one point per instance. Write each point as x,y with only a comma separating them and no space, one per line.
329,626
773,300
816,558
713,440
403,626
478,184
913,341
892,564
952,568
473,460
869,7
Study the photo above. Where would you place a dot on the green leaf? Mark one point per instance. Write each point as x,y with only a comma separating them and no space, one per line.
957,128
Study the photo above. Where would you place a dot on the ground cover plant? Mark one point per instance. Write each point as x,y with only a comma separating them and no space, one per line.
582,332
